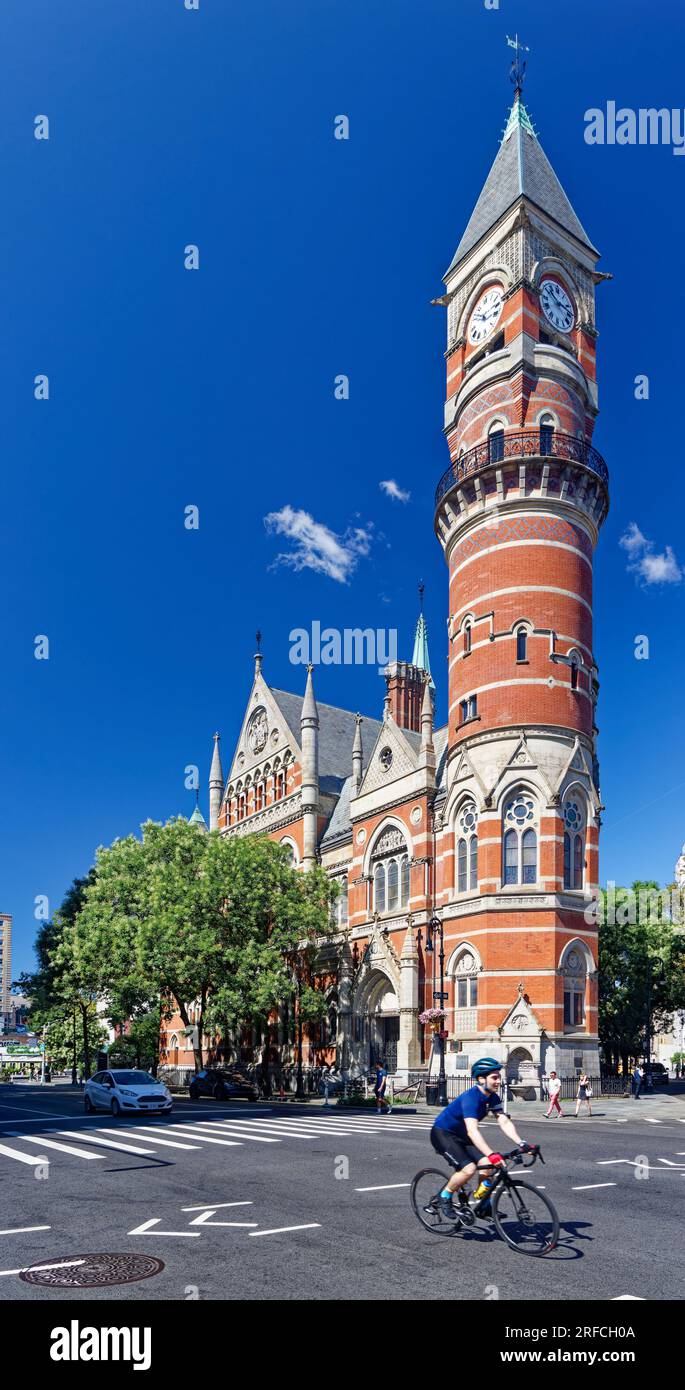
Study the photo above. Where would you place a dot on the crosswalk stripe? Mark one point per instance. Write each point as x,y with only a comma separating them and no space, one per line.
63,1148
206,1138
233,1129
188,1124
94,1138
166,1143
19,1156
292,1131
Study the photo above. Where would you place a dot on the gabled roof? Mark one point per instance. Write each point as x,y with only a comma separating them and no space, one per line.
336,733
521,169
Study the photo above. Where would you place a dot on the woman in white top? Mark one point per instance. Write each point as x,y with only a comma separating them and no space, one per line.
553,1089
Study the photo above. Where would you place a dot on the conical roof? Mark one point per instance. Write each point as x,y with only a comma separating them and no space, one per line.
197,818
521,169
420,655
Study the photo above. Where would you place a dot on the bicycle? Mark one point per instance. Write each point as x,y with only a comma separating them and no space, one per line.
525,1231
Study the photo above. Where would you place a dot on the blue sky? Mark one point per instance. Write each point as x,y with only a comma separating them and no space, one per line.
214,388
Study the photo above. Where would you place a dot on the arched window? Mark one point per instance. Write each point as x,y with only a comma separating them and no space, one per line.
546,434
467,848
574,972
574,843
242,806
391,871
340,906
280,786
521,644
467,638
259,796
393,885
520,844
405,881
465,988
496,443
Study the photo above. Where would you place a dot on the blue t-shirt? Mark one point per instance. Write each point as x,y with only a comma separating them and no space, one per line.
473,1104
381,1078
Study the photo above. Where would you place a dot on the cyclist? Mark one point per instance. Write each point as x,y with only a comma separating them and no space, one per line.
456,1134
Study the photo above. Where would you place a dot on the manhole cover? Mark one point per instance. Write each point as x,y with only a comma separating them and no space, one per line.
93,1271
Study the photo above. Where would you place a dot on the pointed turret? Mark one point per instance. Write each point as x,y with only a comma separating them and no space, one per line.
309,739
427,750
216,785
521,170
357,755
198,819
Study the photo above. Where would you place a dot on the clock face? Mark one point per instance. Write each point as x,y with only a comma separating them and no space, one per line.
486,315
556,305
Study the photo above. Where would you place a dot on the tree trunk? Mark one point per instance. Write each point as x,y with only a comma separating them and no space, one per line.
86,1041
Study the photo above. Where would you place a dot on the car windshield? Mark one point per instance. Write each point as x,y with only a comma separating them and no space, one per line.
134,1078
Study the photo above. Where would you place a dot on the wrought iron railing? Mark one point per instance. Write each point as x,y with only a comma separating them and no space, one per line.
523,444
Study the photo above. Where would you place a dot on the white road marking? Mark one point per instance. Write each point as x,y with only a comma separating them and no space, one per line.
154,1221
588,1185
243,1127
650,1121
63,1264
64,1148
279,1230
207,1138
235,1131
383,1187
6,1105
205,1220
217,1206
33,1159
17,1230
94,1138
671,1164
167,1143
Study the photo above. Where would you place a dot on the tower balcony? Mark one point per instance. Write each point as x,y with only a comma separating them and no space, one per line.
534,465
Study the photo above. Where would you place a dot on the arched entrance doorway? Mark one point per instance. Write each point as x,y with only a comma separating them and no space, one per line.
378,1021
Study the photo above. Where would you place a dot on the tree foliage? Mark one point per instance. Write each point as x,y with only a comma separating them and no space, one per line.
641,968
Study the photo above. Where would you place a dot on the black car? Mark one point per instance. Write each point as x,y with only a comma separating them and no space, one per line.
657,1071
223,1083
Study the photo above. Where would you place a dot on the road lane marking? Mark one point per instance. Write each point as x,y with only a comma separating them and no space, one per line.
94,1138
650,1121
64,1148
243,1128
586,1187
280,1230
33,1159
383,1187
216,1206
63,1264
154,1221
18,1230
205,1220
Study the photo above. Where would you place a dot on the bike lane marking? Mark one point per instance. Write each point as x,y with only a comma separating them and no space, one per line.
383,1187
280,1230
19,1230
147,1226
588,1186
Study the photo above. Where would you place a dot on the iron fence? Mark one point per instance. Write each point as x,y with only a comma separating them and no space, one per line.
522,444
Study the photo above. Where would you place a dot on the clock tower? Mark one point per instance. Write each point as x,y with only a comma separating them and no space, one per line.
518,513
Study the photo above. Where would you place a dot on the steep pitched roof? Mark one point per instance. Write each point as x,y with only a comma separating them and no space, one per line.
336,733
521,168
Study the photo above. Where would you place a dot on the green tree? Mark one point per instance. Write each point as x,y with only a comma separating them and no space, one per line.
641,969
208,922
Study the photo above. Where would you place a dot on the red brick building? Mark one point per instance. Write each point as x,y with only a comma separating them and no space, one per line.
490,822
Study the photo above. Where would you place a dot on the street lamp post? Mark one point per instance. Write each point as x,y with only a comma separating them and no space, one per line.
435,928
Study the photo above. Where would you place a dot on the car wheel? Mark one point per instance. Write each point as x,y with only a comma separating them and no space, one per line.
115,1106
88,1105
193,1093
218,1093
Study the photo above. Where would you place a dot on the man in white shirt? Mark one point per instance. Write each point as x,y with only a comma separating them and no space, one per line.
553,1089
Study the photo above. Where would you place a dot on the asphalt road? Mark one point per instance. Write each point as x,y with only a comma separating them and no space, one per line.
297,1202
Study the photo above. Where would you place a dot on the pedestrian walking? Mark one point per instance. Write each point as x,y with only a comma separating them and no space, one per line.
584,1093
382,1107
637,1082
553,1089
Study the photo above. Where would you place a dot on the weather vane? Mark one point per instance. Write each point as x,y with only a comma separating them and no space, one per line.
518,65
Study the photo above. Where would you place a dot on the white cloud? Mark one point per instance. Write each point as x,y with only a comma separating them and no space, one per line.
316,546
393,489
652,567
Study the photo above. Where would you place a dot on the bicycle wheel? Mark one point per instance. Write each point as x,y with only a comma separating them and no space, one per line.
525,1218
425,1200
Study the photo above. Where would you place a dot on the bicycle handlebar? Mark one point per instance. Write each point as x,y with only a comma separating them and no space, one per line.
525,1159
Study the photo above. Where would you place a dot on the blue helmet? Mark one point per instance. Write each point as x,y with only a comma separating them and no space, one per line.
484,1066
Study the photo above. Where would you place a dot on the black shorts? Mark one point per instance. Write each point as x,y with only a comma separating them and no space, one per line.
457,1151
